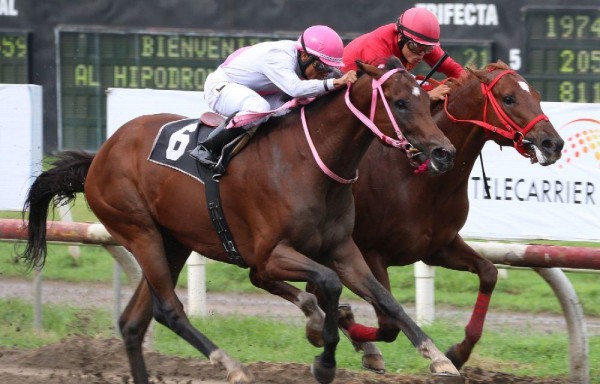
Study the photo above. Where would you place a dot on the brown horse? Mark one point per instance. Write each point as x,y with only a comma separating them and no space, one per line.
402,218
290,220
423,215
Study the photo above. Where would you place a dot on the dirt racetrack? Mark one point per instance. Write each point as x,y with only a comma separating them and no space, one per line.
85,360
79,360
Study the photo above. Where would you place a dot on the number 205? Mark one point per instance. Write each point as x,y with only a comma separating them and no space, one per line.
581,61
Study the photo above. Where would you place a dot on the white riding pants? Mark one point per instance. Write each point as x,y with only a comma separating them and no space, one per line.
227,98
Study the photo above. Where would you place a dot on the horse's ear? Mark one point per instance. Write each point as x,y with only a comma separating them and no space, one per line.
502,64
368,69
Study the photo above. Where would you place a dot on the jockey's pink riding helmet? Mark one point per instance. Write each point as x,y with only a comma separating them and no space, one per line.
324,43
419,25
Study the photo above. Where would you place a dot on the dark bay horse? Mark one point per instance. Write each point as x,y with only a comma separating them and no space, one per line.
290,220
402,218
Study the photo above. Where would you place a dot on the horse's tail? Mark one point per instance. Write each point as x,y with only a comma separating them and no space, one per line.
54,187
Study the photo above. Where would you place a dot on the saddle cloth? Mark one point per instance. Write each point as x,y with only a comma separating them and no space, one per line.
173,143
176,139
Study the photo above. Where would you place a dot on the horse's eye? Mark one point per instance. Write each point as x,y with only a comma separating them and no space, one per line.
402,105
508,99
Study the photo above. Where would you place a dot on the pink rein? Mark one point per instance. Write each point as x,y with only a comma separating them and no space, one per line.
401,143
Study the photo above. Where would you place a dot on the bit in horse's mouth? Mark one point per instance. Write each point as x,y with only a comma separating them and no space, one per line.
416,157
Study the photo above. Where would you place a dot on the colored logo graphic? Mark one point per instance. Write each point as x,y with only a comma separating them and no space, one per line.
585,142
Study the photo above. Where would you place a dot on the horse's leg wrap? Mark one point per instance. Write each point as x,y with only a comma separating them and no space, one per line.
357,333
474,329
361,333
460,353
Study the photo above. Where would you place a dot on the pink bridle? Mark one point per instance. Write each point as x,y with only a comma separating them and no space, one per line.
400,143
510,129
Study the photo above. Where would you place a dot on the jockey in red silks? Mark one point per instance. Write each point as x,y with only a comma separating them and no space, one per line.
415,37
261,77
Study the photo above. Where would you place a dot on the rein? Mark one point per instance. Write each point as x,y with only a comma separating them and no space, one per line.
510,129
320,162
401,142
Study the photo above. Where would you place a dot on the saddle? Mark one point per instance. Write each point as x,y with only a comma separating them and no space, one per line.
212,120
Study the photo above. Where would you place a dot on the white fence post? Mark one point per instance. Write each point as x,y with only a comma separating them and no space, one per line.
425,293
197,285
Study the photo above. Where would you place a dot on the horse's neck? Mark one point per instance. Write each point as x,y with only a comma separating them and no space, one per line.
465,103
340,139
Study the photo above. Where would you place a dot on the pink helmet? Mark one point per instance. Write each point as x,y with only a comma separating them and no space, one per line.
324,43
420,25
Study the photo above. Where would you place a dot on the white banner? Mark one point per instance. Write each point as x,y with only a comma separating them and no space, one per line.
124,104
20,142
528,201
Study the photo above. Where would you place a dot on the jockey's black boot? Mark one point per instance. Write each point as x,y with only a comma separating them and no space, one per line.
209,150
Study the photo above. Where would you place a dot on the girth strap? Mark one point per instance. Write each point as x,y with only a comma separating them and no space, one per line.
217,217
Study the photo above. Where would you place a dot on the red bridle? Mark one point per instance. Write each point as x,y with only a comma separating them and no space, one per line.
509,129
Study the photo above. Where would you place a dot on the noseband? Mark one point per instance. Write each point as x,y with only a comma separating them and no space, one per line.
509,129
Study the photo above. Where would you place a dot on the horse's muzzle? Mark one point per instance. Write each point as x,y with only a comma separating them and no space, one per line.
441,160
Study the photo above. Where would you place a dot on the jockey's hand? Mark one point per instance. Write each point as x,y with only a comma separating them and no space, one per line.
349,77
439,92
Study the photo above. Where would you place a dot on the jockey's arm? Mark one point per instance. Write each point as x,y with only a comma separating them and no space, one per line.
280,67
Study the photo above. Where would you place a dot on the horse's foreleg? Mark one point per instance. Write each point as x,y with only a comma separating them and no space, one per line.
285,263
460,256
357,276
307,302
372,359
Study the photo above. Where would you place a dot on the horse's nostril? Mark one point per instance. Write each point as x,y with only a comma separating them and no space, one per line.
441,154
552,145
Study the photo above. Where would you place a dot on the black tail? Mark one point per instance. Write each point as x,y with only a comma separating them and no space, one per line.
56,186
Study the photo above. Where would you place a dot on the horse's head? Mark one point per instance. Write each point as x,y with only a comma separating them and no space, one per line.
512,107
403,112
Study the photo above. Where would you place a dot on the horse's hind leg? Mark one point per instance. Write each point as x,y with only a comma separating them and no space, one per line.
143,241
133,324
136,317
460,256
307,302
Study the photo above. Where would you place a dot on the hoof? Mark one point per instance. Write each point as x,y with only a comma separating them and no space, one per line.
444,378
455,357
314,337
373,363
443,367
240,376
321,373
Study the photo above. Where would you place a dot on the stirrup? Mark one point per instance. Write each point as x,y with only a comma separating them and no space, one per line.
204,156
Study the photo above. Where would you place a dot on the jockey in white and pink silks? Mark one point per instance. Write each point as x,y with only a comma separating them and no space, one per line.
262,77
